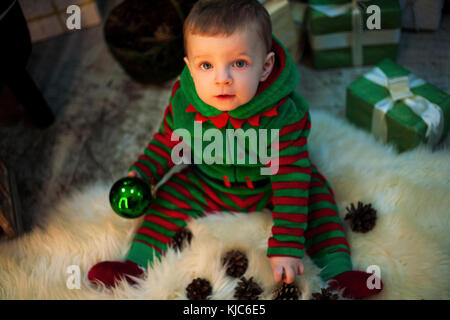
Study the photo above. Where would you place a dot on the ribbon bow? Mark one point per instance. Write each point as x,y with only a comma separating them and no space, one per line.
399,89
221,120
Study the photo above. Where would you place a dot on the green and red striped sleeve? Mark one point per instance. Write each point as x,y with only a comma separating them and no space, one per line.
156,160
290,185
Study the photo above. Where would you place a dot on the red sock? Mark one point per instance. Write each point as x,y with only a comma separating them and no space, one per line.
110,272
354,284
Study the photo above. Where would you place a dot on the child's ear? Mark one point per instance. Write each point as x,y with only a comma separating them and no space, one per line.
268,66
187,63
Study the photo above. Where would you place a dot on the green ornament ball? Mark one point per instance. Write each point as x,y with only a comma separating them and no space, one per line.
129,197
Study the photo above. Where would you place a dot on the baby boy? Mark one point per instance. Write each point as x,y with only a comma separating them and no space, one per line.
239,80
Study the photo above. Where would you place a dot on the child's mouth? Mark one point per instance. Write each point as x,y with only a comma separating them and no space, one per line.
224,96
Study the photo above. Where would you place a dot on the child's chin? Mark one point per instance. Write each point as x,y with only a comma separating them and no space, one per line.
225,108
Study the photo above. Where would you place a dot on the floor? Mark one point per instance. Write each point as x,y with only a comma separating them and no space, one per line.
104,118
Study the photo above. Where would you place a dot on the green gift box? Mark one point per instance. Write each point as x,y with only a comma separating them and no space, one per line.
339,36
398,107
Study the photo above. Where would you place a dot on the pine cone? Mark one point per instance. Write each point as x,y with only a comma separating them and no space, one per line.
198,289
182,236
236,263
286,292
325,294
247,290
362,218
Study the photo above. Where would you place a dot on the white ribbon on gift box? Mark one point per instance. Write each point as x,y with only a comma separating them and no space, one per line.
352,39
399,88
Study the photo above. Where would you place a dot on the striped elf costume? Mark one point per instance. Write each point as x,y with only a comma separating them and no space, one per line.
305,215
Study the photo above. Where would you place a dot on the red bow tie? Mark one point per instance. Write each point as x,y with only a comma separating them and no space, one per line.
221,119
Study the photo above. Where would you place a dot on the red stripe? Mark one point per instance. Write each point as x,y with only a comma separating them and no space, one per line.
165,140
161,222
294,169
299,125
176,86
146,170
153,234
342,250
298,232
184,192
244,203
327,243
170,213
273,243
165,123
290,185
159,151
321,197
211,204
284,144
159,169
181,204
311,233
320,184
291,159
150,245
321,213
292,217
290,201
214,196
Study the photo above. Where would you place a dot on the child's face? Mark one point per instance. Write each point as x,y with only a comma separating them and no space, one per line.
232,66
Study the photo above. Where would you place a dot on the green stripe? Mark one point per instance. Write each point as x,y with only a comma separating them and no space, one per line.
303,163
289,224
178,222
318,190
161,146
169,205
151,167
291,193
282,251
293,150
312,224
327,250
333,263
154,156
222,196
281,208
294,135
321,205
263,202
193,191
169,120
152,241
295,176
172,191
326,236
142,254
158,228
289,238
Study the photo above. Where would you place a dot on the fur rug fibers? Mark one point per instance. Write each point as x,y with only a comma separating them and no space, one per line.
409,243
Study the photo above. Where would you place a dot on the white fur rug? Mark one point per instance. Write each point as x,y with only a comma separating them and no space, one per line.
410,242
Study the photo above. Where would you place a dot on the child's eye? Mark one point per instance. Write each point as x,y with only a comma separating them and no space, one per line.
205,65
241,63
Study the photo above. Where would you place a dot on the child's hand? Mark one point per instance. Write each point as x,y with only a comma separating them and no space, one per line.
286,268
133,174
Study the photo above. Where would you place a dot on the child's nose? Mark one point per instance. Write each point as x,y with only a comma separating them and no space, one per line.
223,77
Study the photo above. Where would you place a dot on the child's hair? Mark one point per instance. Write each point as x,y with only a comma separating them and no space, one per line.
224,17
